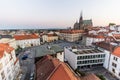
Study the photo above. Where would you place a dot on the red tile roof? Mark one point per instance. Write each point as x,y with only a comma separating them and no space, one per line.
1,53
117,36
62,72
105,45
72,31
45,67
23,37
52,69
52,35
96,36
116,51
5,47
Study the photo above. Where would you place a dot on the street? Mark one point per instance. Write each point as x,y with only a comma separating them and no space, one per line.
100,71
28,65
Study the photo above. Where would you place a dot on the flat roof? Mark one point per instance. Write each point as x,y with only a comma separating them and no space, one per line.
43,50
88,51
82,47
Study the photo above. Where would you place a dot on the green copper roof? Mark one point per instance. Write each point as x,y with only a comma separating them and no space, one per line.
87,22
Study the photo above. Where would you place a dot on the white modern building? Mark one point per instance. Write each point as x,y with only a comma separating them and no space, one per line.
102,54
27,40
9,64
84,56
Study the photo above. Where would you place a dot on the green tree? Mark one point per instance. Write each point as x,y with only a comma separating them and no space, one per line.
111,24
101,77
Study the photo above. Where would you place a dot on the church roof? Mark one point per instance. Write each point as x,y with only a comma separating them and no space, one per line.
87,22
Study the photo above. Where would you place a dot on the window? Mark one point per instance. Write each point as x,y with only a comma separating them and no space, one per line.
98,56
113,70
8,70
93,56
9,77
85,57
119,74
88,57
115,65
1,66
115,58
3,75
104,55
61,53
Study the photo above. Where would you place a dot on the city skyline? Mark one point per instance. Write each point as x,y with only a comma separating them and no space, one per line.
58,13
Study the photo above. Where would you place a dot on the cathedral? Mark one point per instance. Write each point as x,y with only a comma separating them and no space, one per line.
83,24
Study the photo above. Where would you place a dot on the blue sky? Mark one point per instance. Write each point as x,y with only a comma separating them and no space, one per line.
58,13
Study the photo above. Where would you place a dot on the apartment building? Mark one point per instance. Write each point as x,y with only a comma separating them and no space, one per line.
112,62
27,40
89,39
9,64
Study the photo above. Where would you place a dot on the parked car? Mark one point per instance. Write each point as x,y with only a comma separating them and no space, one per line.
32,76
24,57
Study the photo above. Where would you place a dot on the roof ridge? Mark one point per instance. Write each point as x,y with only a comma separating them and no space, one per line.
43,60
54,71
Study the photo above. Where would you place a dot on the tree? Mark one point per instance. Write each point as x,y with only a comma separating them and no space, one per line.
19,48
111,24
101,77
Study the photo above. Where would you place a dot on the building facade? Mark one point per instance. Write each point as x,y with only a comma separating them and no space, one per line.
89,39
27,40
84,57
9,64
49,37
71,35
8,39
112,58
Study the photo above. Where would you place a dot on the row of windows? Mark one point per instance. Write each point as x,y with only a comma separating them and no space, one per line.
91,56
115,58
90,61
113,64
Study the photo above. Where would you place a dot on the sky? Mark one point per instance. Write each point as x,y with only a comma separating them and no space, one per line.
57,13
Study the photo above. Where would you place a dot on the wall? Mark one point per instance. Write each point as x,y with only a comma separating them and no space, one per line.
71,58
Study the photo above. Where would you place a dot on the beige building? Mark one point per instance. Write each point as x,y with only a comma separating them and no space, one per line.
49,37
71,35
8,39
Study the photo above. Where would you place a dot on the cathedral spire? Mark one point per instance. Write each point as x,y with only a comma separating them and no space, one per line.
81,21
81,17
